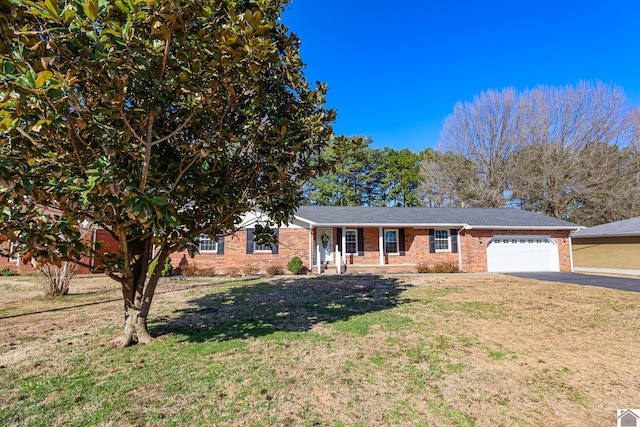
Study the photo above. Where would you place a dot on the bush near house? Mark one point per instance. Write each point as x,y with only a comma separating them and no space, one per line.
444,267
6,272
295,265
196,271
250,270
275,270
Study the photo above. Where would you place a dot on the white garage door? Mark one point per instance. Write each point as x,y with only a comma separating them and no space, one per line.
514,253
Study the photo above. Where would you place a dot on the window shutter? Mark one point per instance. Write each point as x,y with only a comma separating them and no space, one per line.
454,240
274,247
220,245
339,240
432,241
249,240
361,241
401,242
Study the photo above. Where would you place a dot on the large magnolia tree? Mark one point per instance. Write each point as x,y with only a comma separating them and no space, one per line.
156,120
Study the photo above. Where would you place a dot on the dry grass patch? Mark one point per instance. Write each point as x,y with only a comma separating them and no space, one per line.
341,350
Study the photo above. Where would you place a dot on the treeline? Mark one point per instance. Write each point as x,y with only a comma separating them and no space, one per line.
570,152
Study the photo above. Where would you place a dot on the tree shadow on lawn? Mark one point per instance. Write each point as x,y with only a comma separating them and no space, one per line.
287,304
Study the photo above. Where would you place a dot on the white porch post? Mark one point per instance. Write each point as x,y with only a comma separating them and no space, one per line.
338,260
310,248
318,254
381,244
344,245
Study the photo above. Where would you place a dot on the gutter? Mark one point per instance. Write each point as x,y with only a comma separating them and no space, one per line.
436,225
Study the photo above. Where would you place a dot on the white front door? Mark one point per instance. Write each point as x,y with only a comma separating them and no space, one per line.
325,244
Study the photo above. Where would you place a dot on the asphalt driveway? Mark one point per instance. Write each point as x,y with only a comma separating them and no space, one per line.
621,283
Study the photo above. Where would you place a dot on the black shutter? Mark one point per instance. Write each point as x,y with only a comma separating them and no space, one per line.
432,241
249,240
454,240
361,241
339,240
274,246
401,242
220,245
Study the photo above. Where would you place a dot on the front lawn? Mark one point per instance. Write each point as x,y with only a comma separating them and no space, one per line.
464,350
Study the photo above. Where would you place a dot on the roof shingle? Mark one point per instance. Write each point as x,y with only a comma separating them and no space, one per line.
626,227
471,217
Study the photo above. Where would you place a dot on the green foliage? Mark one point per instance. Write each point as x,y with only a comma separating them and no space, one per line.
158,121
365,176
6,272
167,270
295,265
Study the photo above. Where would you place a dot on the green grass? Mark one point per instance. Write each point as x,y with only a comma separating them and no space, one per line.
336,351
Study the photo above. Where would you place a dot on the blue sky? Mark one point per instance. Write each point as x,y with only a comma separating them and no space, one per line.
396,69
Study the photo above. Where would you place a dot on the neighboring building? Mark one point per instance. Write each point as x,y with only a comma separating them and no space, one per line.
387,240
613,247
93,235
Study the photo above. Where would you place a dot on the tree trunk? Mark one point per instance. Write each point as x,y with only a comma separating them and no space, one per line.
138,289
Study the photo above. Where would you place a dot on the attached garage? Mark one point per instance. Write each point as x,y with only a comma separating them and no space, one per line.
513,253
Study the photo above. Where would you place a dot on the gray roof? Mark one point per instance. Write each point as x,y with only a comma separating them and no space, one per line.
507,218
626,227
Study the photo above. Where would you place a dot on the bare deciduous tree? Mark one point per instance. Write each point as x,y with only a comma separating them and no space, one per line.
486,132
570,152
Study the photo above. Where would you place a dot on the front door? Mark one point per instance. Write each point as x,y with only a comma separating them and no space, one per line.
325,242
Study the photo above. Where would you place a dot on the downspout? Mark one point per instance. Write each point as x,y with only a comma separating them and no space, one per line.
464,227
93,249
571,253
381,245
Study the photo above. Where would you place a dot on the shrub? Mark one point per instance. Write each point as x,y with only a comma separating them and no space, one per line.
295,265
194,270
232,272
275,270
423,268
6,272
167,270
57,279
443,267
250,270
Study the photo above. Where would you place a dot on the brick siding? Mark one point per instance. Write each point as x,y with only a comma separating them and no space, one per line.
108,243
473,244
293,242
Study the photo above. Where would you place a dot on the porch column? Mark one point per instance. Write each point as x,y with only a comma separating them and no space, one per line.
318,253
344,245
381,244
310,248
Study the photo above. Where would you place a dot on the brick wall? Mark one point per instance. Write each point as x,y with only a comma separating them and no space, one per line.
293,242
416,244
473,244
108,243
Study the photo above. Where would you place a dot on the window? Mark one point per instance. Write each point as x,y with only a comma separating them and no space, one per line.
261,248
351,241
391,241
207,245
253,246
442,240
